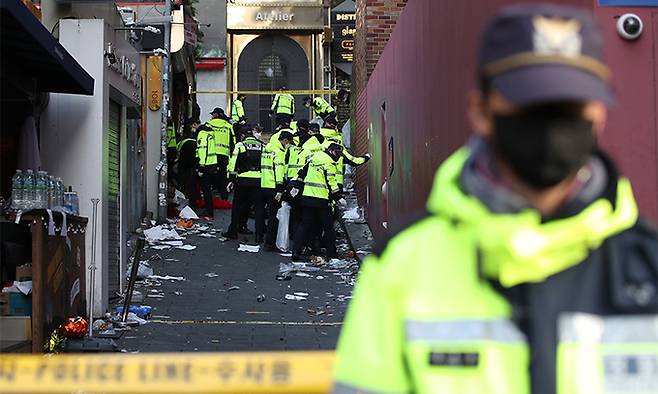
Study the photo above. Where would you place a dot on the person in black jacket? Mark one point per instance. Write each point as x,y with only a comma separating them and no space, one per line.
188,162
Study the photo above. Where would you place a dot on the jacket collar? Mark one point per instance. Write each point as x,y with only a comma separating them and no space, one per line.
520,247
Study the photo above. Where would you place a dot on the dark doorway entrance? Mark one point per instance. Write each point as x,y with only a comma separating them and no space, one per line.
267,63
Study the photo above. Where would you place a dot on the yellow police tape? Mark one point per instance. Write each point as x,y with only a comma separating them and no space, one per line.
276,372
263,92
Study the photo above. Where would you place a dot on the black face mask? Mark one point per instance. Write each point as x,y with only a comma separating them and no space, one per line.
544,145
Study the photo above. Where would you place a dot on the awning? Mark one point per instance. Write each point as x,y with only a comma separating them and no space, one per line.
29,52
344,67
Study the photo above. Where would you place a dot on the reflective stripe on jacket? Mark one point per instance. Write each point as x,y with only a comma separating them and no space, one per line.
283,104
273,166
205,148
224,137
245,161
237,110
319,177
321,107
426,317
171,137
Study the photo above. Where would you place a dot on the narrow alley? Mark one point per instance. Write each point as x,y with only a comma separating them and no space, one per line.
222,299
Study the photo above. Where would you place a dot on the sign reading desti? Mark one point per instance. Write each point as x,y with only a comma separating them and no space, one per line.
343,25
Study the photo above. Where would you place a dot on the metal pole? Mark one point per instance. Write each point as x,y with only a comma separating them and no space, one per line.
162,178
92,266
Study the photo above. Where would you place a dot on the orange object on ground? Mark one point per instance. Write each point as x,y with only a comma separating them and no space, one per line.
184,223
75,328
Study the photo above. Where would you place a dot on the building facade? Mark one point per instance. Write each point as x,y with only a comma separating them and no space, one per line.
271,44
93,143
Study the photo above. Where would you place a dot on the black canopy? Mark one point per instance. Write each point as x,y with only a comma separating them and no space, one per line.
29,52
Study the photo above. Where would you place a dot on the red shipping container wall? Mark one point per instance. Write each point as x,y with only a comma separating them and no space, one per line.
416,101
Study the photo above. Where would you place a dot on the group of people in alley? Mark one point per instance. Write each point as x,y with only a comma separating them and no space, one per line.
301,164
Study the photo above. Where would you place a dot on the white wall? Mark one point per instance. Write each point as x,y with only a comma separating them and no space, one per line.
214,80
72,138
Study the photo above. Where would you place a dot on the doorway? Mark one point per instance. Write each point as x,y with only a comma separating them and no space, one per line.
267,63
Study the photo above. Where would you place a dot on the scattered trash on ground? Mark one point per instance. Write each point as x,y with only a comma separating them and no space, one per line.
233,288
211,275
161,247
249,248
166,277
293,297
159,233
352,214
144,270
186,247
206,235
187,213
260,298
143,311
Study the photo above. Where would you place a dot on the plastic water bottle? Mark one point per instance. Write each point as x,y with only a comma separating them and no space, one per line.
17,188
29,190
42,190
51,191
59,187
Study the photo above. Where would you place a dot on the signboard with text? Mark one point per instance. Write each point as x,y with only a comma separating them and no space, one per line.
343,25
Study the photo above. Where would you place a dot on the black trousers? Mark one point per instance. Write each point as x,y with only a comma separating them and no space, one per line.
207,179
312,217
244,198
283,118
221,178
187,180
266,209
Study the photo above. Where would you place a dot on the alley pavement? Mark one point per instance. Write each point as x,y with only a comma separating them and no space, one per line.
232,301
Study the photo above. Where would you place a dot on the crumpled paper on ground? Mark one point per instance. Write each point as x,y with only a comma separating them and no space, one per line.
289,268
157,233
352,214
167,277
249,248
187,213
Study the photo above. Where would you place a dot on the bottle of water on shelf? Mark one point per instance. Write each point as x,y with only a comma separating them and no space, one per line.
29,196
68,201
42,190
17,190
51,191
59,187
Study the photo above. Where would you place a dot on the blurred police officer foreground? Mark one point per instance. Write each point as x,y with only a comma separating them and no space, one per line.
531,271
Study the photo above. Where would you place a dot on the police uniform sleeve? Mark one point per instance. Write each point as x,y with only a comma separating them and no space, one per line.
280,169
334,191
275,102
369,356
352,160
232,161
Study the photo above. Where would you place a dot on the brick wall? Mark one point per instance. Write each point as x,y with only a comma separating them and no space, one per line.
375,21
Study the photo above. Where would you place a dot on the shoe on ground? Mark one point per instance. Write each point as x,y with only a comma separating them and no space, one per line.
299,259
228,235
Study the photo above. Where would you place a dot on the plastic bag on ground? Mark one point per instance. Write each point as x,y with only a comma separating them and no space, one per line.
352,214
282,239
